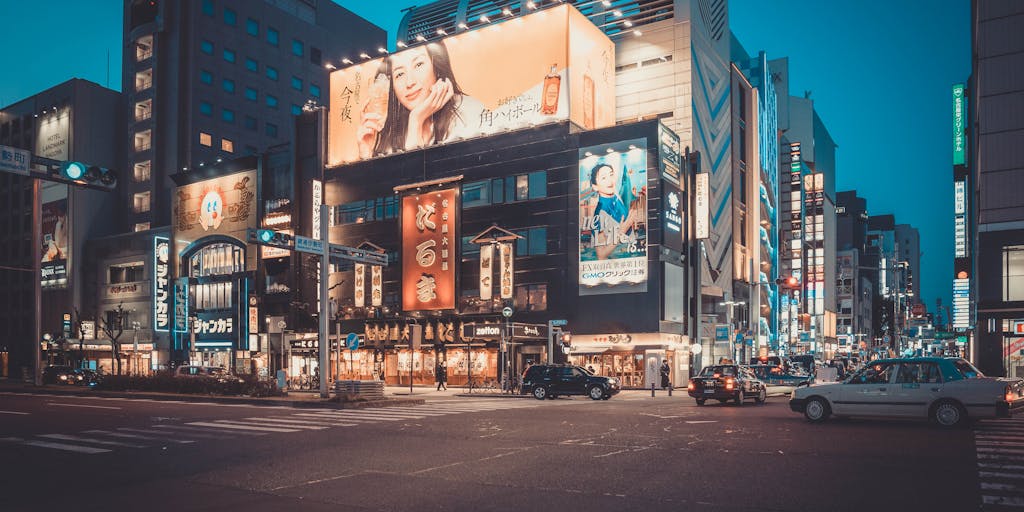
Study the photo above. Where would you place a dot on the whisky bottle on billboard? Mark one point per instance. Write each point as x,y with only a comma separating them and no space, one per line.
588,100
549,99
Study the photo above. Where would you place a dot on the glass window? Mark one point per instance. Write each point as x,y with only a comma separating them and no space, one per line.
296,110
252,65
531,297
476,194
910,373
296,83
227,145
230,17
227,115
538,241
250,123
228,85
252,27
229,55
271,129
205,108
522,187
205,77
140,202
271,101
273,37
251,94
497,186
1013,272
205,139
468,247
314,91
538,184
271,73
297,47
208,7
877,373
206,47
315,55
141,226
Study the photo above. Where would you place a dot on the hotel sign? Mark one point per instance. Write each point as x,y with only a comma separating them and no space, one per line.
959,112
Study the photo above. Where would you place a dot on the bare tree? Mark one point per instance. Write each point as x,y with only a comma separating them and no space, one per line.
76,326
114,328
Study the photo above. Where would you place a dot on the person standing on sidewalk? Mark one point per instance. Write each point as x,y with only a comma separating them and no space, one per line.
665,370
441,375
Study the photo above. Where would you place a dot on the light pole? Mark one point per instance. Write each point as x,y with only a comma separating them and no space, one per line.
135,347
729,304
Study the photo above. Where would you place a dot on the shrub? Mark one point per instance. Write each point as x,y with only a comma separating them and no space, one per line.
165,382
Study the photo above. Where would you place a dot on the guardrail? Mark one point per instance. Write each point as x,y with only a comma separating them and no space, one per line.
368,389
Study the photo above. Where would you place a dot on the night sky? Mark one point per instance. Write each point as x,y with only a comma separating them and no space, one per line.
880,75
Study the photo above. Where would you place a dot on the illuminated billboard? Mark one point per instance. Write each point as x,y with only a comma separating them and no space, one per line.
613,218
225,205
54,263
429,250
519,73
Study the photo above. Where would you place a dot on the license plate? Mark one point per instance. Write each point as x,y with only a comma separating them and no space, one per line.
709,391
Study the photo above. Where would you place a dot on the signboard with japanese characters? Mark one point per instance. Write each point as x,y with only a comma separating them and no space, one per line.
430,250
161,284
213,324
225,205
14,160
376,286
486,272
360,285
508,271
181,305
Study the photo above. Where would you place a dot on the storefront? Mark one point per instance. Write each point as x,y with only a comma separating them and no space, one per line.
634,359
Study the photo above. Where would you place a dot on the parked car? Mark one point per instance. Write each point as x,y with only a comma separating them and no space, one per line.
206,372
949,391
779,381
554,380
58,374
727,382
86,377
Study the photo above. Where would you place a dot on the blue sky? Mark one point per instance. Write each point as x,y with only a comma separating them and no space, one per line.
880,78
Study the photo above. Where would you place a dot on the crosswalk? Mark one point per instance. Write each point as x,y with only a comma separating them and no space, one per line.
271,421
1000,453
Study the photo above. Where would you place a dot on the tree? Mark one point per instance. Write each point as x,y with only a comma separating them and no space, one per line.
76,326
113,326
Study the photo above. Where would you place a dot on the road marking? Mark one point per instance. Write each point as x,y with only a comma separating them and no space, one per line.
19,413
82,405
1008,467
263,422
209,430
695,422
68,447
241,427
1001,450
989,474
990,486
137,436
352,416
1006,501
189,432
303,421
387,414
66,437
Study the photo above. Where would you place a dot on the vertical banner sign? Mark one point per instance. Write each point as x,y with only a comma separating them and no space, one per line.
376,286
181,305
486,274
360,285
429,250
959,219
959,111
508,271
254,315
54,263
702,211
613,218
317,200
668,154
161,284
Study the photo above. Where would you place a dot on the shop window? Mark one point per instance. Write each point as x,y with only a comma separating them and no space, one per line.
126,272
531,297
217,259
1013,272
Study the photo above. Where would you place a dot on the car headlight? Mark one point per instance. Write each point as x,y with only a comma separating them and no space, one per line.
613,381
63,377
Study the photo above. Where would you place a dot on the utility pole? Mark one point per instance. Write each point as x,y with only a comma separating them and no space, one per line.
325,307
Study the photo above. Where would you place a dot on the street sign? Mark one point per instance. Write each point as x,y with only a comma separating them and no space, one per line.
15,160
529,331
345,252
352,341
506,312
558,323
721,333
307,244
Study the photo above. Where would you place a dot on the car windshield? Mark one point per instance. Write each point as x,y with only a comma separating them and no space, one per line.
717,371
967,369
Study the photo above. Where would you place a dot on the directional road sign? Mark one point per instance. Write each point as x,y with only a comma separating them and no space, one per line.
307,244
352,341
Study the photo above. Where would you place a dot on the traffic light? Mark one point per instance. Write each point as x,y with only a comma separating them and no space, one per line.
788,283
81,173
271,237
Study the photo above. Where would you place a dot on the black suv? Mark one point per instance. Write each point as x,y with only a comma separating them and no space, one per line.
552,380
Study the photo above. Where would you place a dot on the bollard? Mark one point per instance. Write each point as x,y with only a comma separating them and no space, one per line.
652,390
669,389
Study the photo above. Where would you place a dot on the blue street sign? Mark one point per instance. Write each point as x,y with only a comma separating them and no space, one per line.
559,323
352,341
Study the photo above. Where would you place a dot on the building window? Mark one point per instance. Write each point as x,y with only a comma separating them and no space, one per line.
230,17
251,94
315,55
215,260
314,91
144,48
476,194
296,83
497,191
206,47
250,123
271,101
205,139
271,129
252,27
143,80
143,140
227,145
141,226
132,272
252,65
205,108
144,109
297,48
205,77
532,297
229,55
140,202
271,73
296,110
381,208
208,7
534,242
1013,272
228,85
273,37
227,115
142,171
522,187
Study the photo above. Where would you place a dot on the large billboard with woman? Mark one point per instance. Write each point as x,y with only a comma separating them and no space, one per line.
613,218
511,75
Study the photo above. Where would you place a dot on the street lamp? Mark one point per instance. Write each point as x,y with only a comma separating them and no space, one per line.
738,354
135,347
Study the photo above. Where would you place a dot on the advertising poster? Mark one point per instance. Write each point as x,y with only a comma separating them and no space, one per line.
507,76
429,250
225,205
613,218
54,263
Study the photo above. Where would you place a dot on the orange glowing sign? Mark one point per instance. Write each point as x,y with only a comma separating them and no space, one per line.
429,250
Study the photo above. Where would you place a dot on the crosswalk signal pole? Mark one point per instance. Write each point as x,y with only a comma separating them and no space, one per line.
325,307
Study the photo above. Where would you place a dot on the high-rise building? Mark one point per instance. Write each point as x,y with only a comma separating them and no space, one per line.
856,273
995,165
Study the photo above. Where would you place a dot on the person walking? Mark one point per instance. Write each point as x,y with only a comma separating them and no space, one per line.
441,375
665,370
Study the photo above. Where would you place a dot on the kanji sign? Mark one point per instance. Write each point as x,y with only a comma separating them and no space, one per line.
429,252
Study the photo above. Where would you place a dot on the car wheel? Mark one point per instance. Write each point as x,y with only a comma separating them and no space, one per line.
739,398
700,401
595,392
761,396
817,410
540,392
948,414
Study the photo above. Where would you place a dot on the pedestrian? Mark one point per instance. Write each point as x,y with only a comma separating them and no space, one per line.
441,375
590,368
665,370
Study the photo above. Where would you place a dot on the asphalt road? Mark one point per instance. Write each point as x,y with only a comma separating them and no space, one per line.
629,453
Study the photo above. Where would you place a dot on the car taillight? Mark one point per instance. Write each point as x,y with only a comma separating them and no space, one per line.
729,383
690,386
1009,394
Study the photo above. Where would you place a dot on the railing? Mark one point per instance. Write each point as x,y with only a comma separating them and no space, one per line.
143,85
143,146
142,116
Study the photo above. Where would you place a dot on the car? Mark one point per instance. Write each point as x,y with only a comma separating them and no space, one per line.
58,374
86,377
725,382
554,380
779,381
947,390
220,374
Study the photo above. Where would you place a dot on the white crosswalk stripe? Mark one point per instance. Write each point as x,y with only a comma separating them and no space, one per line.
999,447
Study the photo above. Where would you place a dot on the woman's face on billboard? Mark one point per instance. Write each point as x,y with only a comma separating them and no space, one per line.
412,73
605,181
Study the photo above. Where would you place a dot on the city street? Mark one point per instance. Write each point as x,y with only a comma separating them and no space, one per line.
632,452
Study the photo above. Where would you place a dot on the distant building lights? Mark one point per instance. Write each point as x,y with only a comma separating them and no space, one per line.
346,61
617,12
484,19
441,32
420,38
364,55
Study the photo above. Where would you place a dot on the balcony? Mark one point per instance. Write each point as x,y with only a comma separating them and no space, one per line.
143,80
144,110
144,48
